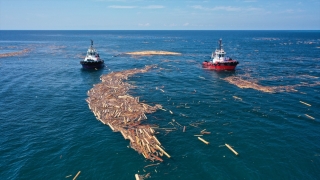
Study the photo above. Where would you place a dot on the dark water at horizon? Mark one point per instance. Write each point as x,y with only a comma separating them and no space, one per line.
48,131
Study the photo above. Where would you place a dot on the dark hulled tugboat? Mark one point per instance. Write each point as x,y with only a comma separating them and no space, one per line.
219,61
92,59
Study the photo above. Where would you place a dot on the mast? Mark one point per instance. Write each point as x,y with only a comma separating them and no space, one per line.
91,42
220,44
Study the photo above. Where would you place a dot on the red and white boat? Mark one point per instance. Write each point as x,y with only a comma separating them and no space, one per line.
219,60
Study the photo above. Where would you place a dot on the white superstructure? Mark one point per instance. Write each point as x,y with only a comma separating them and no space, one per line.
219,55
92,54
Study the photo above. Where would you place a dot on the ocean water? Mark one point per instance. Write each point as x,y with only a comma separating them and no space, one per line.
48,131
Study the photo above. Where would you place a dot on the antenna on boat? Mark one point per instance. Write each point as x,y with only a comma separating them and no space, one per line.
220,44
91,42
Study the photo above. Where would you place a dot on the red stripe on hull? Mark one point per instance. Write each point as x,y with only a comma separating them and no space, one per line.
221,66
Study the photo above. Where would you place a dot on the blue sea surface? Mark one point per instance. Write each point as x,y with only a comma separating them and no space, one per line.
48,131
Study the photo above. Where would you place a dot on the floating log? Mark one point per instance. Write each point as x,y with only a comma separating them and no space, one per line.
305,103
206,142
205,132
125,137
75,177
309,116
111,126
156,140
235,152
131,139
151,165
237,97
165,128
163,151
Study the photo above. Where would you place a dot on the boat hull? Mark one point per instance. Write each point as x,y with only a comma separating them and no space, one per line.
92,64
230,66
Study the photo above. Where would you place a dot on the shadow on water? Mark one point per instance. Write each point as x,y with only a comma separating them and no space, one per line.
220,74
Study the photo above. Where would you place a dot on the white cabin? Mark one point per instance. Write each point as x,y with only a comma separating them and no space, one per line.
92,54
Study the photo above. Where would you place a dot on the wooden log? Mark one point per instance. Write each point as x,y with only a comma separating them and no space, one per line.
137,139
151,130
143,144
156,140
206,142
152,149
111,126
131,139
309,116
235,152
205,132
148,148
147,133
178,123
144,155
125,137
75,177
146,140
305,103
157,158
163,151
137,177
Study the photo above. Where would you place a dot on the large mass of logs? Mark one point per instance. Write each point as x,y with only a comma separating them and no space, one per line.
14,53
123,113
242,83
146,53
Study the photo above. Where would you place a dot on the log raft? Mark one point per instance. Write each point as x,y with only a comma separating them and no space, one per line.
123,113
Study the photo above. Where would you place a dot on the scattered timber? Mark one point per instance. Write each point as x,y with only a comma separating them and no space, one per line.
243,83
14,53
111,105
